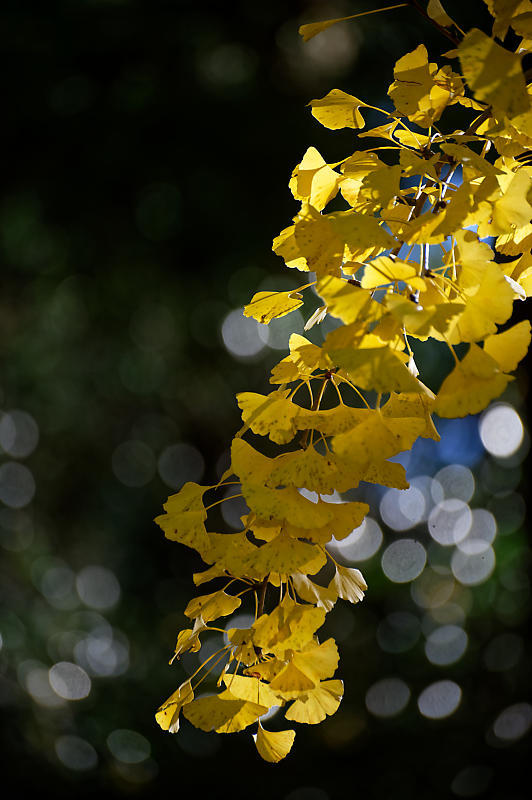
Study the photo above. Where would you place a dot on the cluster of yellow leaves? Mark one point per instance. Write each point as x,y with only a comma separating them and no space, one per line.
406,259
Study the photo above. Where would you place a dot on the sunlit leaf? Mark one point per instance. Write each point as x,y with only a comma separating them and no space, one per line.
223,713
338,110
265,306
273,746
473,383
319,703
167,715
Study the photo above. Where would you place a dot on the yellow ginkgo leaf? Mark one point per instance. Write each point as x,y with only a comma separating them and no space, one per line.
292,681
188,639
386,473
314,180
319,703
379,188
344,517
338,110
415,92
167,715
493,74
380,369
207,575
243,650
436,11
265,306
318,660
212,606
286,247
273,746
504,12
349,583
271,415
227,550
513,209
510,347
347,301
289,625
325,239
412,164
486,305
422,321
405,405
185,516
303,360
283,555
331,421
315,472
320,596
223,713
384,270
473,383
251,689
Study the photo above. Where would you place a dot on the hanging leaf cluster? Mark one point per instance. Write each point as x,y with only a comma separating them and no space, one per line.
404,259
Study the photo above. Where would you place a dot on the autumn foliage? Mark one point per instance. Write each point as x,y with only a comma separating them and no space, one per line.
404,260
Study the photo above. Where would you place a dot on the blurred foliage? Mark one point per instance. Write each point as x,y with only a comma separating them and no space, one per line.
147,147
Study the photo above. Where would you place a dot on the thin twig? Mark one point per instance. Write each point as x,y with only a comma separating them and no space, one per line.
444,31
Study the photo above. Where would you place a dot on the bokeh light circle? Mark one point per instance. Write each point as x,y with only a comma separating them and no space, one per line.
403,560
69,681
387,697
501,430
440,699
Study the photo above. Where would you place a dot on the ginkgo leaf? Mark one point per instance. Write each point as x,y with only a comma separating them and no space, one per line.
305,670
486,305
327,239
188,639
283,555
273,746
308,469
407,405
303,360
346,301
289,626
286,246
167,715
510,347
265,306
244,650
384,270
320,660
319,703
338,110
493,74
314,180
415,92
504,12
471,385
380,369
251,689
513,210
272,416
349,583
412,164
223,713
184,520
292,681
436,11
227,550
321,596
331,421
212,606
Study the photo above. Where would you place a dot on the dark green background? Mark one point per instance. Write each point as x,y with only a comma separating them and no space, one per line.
146,150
